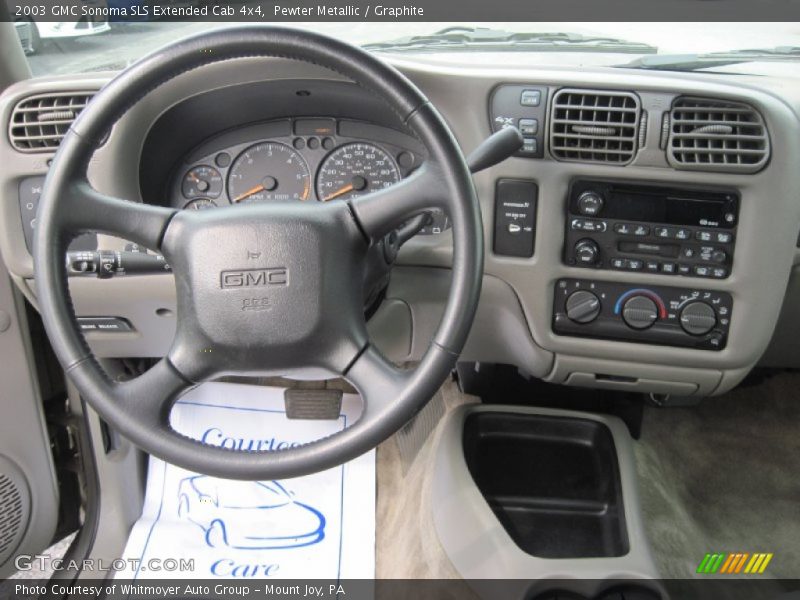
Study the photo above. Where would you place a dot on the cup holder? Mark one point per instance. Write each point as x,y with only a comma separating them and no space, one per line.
552,482
626,592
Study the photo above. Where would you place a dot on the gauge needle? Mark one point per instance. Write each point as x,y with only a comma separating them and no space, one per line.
250,192
339,192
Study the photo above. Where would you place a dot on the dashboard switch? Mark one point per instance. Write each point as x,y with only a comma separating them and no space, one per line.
528,126
698,318
639,312
530,97
583,306
587,253
590,204
515,217
523,106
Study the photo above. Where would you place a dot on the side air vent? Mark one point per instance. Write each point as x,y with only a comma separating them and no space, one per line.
38,123
594,126
716,135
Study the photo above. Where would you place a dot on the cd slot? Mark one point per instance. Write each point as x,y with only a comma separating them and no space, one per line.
651,249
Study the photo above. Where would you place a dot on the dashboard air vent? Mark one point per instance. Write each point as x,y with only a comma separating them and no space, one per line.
716,135
38,123
594,126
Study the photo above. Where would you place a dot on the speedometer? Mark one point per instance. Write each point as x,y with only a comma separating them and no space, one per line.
355,169
269,171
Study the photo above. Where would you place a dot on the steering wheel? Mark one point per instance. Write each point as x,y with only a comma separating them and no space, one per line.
304,262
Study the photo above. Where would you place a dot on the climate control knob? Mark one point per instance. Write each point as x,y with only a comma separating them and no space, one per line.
639,312
587,252
698,318
583,306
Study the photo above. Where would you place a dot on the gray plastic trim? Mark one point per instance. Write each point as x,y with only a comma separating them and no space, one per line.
23,434
480,548
770,213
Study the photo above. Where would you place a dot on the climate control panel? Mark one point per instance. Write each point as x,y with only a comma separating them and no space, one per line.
668,316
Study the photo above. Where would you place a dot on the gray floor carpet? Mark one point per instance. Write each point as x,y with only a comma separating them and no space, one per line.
724,477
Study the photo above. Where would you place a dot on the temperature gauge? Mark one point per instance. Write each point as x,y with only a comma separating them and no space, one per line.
202,181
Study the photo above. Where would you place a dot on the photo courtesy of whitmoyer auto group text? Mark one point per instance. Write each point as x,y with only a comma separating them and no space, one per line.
400,299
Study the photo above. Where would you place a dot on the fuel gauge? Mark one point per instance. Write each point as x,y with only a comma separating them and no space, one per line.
199,204
202,181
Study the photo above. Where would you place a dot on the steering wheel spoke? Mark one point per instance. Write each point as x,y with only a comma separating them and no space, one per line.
150,396
377,380
86,209
383,211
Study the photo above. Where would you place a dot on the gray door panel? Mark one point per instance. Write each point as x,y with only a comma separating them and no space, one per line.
28,490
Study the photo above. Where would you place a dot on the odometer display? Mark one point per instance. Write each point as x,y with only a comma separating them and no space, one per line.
355,169
268,172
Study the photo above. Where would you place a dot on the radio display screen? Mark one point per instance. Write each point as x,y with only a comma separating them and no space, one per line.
674,207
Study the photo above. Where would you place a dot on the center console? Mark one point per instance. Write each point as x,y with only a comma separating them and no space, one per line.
528,495
668,232
653,229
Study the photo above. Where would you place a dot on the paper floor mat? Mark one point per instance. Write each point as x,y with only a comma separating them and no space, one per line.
320,526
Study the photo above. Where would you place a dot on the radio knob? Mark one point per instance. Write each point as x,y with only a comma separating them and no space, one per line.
698,318
639,312
583,306
719,256
587,252
590,204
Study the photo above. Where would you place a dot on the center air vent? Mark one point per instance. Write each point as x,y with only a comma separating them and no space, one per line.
594,126
38,123
716,135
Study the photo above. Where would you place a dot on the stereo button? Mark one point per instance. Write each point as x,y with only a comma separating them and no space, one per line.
587,252
704,236
590,204
635,264
663,232
623,228
668,268
702,271
724,238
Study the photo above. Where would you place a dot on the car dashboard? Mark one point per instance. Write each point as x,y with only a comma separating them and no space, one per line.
644,238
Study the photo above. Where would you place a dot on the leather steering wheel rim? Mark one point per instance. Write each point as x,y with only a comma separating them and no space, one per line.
312,254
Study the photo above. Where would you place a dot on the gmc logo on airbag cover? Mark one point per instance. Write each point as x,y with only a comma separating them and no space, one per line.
250,278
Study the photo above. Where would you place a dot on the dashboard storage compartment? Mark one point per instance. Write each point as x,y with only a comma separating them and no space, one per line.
553,482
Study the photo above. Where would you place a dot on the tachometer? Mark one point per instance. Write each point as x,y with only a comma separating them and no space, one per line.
355,169
269,171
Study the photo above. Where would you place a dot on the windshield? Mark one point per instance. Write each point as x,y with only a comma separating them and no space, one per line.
59,48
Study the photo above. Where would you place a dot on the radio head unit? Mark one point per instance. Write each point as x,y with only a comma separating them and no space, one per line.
637,227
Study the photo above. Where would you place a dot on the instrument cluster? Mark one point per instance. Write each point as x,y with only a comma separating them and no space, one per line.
297,160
